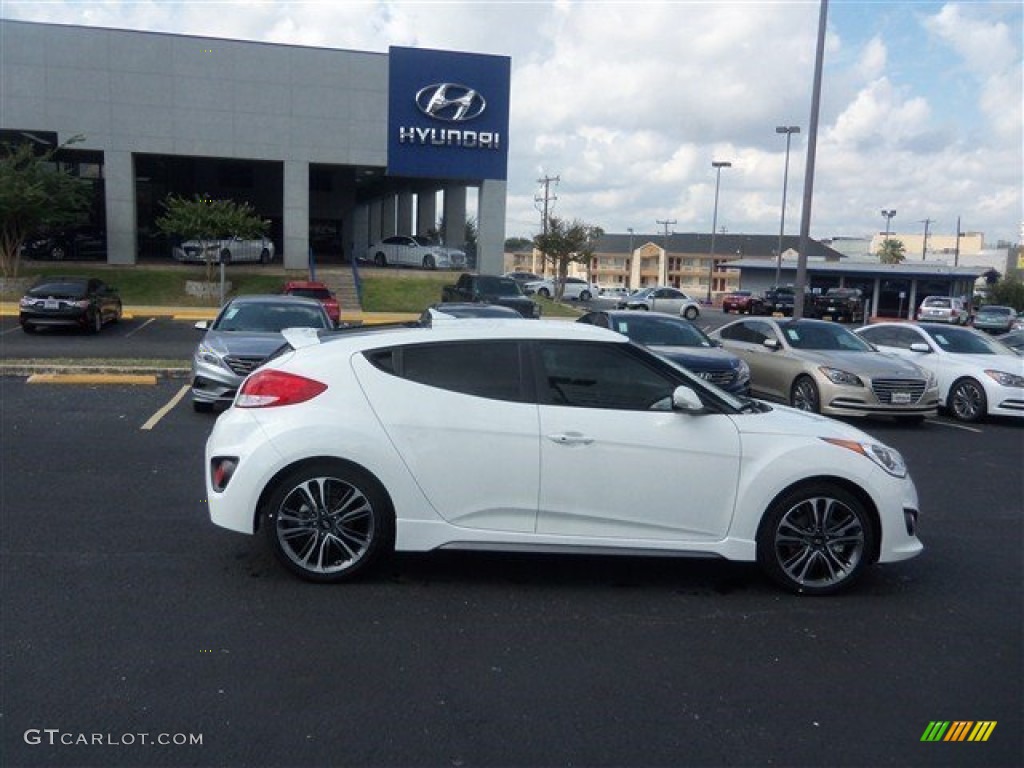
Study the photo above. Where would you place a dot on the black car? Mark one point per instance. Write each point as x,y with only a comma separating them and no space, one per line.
75,302
74,244
680,341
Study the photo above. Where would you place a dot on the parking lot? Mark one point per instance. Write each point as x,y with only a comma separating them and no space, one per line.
127,615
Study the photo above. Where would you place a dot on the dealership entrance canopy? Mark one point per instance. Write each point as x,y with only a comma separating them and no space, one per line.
336,149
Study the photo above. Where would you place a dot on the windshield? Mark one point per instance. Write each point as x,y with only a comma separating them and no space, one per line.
268,318
827,336
995,311
420,240
499,286
667,331
963,341
69,289
311,293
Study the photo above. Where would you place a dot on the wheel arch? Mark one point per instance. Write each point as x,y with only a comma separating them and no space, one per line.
847,485
268,489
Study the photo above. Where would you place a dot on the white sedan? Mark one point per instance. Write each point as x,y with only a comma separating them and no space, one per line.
574,289
977,375
226,250
402,439
663,299
415,251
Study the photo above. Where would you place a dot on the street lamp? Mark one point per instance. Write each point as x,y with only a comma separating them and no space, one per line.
789,130
888,219
629,259
718,165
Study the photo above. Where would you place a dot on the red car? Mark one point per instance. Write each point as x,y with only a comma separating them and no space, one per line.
742,301
318,291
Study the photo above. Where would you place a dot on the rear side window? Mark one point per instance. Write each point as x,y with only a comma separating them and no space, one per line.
490,369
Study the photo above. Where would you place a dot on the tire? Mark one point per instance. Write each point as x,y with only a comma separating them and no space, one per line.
967,401
428,262
96,321
225,256
118,314
28,328
265,256
642,307
202,407
804,395
544,292
585,296
691,313
346,533
816,539
58,252
380,259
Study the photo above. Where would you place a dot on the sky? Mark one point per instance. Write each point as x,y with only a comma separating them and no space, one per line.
629,103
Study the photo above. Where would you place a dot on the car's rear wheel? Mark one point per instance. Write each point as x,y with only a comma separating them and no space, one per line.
58,252
428,262
816,539
691,313
225,256
380,259
804,395
265,256
967,400
585,296
544,292
328,521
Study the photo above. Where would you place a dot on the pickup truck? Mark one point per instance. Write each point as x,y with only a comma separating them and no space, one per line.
781,299
488,289
839,304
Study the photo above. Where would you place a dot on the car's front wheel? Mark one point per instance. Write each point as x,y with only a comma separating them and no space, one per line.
265,256
585,296
428,262
96,321
967,400
380,260
816,539
544,292
804,395
691,313
328,521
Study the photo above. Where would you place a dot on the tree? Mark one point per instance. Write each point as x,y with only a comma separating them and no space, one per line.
1009,292
566,242
513,244
35,195
891,252
208,220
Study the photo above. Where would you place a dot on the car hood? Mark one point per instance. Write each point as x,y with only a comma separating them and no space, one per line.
698,358
243,343
870,364
783,420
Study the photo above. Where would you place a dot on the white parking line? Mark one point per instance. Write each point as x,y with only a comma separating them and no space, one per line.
152,422
951,425
136,330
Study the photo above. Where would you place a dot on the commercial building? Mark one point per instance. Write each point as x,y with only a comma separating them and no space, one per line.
337,149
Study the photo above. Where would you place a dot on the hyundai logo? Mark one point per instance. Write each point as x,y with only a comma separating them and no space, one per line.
451,102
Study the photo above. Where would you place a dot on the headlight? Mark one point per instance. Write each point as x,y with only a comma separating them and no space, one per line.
837,376
887,458
1006,379
206,354
743,371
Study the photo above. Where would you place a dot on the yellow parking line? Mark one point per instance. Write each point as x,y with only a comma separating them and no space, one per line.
165,409
91,378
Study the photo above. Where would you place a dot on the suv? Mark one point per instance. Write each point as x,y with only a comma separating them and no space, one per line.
943,309
782,299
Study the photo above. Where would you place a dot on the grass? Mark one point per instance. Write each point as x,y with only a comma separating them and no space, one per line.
393,290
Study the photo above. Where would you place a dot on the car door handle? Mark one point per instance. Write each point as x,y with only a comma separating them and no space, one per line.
571,438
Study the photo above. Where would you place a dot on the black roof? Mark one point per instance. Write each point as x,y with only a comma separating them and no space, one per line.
725,244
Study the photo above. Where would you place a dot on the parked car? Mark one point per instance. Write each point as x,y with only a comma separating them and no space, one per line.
663,299
995,319
226,250
820,366
245,332
614,292
574,289
976,374
523,277
69,244
315,290
781,299
344,451
1014,340
943,309
743,302
488,289
458,310
840,304
415,251
69,302
680,341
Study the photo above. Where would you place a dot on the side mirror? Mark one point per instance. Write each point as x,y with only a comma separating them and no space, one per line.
686,400
772,344
920,346
202,325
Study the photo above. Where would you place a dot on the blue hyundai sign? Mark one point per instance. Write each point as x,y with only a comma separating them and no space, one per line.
448,114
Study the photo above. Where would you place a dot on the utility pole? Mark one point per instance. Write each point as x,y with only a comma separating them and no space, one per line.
924,242
543,201
956,251
663,272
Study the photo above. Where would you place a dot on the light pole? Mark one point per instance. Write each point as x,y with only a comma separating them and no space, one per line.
888,220
718,165
789,130
629,259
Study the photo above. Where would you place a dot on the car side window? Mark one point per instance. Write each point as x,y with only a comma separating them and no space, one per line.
589,375
489,369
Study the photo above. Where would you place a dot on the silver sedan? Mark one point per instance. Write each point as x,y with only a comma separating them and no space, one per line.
822,367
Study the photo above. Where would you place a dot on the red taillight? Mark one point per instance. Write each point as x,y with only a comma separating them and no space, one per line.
270,388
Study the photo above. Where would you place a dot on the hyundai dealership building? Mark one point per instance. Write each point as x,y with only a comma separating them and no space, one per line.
337,149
